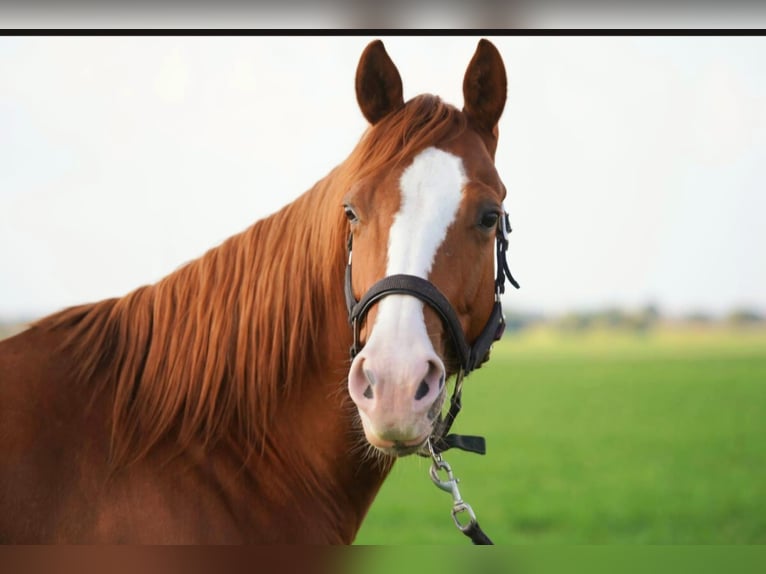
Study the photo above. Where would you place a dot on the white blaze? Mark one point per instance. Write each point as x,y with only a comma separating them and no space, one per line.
431,188
431,192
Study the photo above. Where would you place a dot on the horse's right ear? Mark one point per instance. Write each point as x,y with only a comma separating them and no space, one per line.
378,84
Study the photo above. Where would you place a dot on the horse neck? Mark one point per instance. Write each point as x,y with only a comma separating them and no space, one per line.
248,348
309,441
243,351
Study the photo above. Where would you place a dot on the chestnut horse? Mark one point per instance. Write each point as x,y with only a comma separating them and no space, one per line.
219,405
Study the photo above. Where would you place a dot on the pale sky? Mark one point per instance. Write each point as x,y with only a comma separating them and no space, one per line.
635,165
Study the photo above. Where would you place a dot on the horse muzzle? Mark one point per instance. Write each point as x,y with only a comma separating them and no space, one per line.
399,391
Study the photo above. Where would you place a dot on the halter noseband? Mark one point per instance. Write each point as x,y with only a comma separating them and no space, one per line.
469,356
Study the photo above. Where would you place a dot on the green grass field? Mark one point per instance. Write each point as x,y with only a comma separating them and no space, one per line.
601,438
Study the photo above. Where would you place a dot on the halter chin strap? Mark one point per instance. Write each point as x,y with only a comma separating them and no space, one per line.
469,356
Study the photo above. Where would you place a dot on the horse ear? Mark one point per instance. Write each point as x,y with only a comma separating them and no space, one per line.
485,87
378,84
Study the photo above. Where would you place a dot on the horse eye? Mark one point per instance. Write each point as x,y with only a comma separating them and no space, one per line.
489,219
350,214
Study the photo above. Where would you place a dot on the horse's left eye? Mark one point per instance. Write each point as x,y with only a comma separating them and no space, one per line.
489,219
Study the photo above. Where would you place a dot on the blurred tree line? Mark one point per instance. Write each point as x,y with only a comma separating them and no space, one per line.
638,320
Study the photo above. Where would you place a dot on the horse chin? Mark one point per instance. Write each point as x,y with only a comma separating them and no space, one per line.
401,450
397,448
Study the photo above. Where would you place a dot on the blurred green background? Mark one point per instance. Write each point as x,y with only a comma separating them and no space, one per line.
598,433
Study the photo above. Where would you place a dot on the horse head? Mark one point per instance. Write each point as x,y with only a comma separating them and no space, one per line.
423,234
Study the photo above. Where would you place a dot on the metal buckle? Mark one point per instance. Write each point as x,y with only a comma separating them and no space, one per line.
459,506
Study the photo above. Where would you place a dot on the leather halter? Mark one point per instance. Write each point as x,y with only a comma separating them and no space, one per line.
469,356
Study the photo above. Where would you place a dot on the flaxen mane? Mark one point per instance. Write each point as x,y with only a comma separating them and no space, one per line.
203,353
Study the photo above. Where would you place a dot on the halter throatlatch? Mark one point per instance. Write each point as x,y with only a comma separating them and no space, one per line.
470,357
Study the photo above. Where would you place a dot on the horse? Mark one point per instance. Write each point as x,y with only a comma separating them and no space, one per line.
220,404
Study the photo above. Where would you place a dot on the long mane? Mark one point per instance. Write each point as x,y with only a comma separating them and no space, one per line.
206,352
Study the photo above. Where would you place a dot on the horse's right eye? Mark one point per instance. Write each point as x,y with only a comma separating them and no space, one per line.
350,214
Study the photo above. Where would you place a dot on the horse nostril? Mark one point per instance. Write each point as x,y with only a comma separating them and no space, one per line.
422,390
368,392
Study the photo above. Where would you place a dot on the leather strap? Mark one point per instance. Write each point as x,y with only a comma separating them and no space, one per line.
466,442
425,291
477,535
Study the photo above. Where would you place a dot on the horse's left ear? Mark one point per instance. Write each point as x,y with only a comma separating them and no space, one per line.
378,83
484,88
